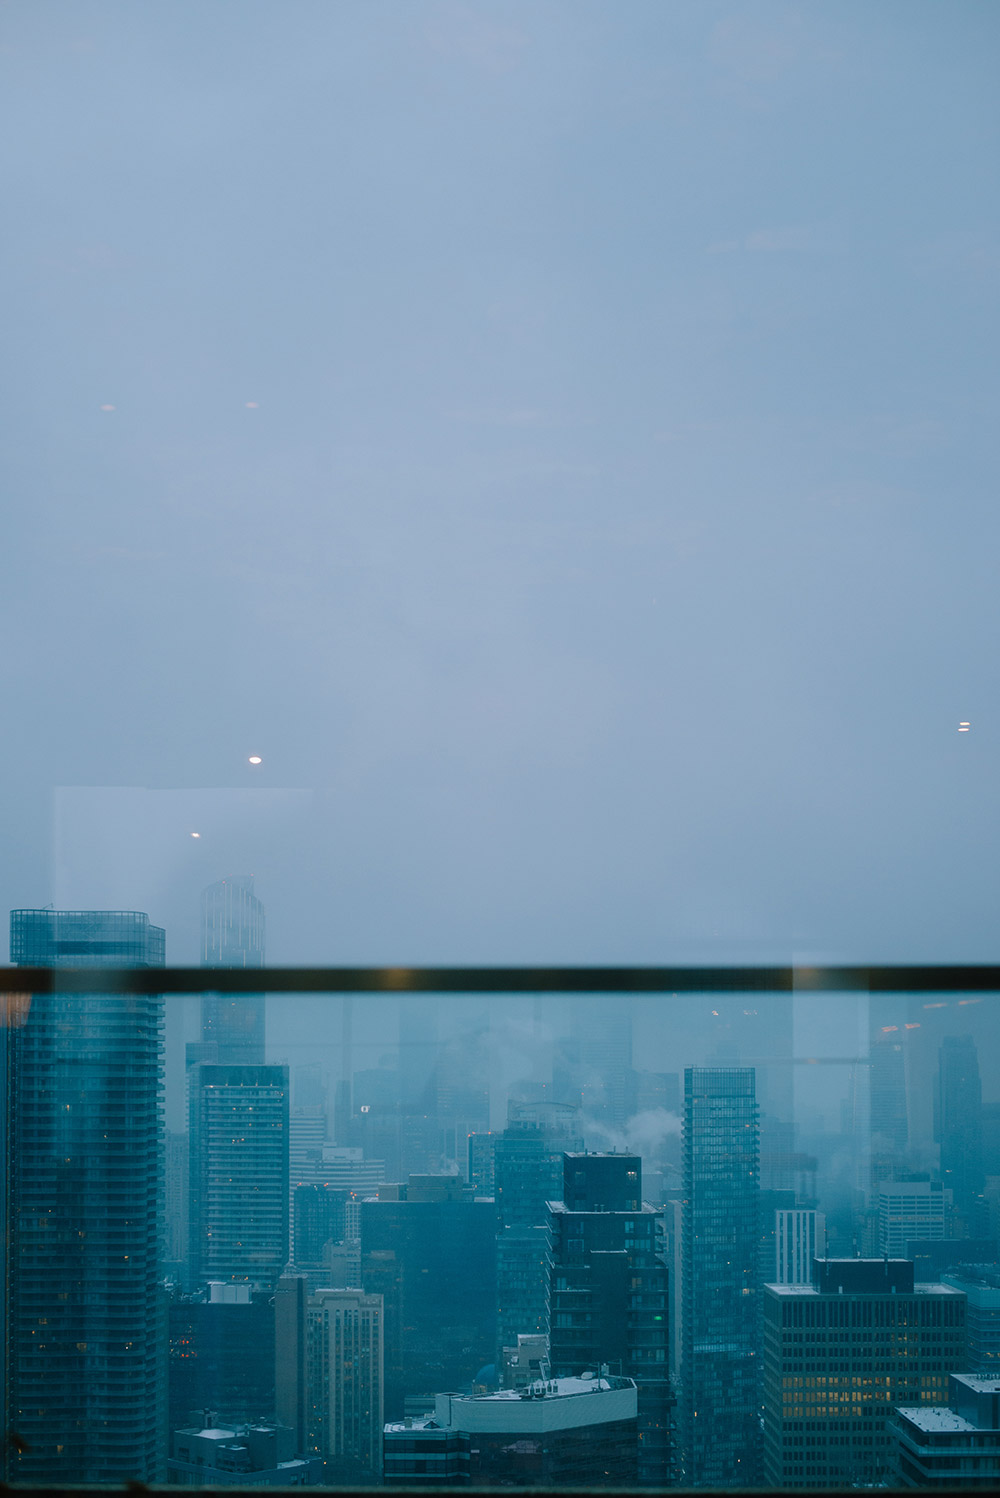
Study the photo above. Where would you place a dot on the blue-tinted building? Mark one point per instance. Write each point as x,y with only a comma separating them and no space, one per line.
86,1317
720,1433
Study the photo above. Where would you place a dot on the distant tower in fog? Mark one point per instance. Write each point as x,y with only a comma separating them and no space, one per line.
721,1205
889,1124
959,1121
232,935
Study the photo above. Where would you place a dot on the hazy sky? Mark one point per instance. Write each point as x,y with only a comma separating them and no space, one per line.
558,437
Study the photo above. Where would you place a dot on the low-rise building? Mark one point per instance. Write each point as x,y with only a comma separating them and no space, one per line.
242,1456
563,1432
951,1445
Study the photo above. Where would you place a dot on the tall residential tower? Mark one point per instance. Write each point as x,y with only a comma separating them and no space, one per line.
86,1354
719,1368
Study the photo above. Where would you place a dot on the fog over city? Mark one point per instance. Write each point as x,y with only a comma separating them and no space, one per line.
501,483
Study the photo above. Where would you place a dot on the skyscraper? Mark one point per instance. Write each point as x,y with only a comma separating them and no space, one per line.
528,1173
838,1354
959,1120
86,1316
328,1374
608,1297
719,1430
238,1211
232,935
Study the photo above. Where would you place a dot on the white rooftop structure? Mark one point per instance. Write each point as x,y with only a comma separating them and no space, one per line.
552,1404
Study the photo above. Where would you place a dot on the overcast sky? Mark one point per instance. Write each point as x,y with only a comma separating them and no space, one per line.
558,437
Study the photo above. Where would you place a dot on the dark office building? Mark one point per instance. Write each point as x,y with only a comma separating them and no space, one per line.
719,1258
959,1125
838,1355
221,1355
528,1174
232,935
609,1295
86,1316
431,1255
319,1219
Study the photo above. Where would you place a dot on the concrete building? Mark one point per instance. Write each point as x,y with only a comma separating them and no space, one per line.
246,1456
344,1382
952,1445
85,1355
800,1237
329,1357
527,1363
238,1206
838,1354
565,1432
720,1431
981,1288
910,1209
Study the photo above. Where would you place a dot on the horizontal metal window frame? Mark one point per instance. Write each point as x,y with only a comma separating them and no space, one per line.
667,982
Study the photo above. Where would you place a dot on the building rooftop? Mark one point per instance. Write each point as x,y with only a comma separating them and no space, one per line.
934,1417
919,1289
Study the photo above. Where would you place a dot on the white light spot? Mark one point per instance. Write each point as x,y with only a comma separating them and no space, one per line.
255,759
251,405
107,408
196,834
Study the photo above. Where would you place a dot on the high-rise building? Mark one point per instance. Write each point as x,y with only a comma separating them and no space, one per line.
328,1375
720,1232
800,1237
238,1210
959,1123
430,1253
887,1098
838,1354
232,935
981,1288
221,1354
319,1220
608,1296
344,1382
528,1173
910,1210
86,1315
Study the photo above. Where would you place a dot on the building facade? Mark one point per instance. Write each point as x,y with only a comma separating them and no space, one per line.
86,1314
528,1173
561,1432
800,1237
838,1355
609,1304
238,1204
910,1211
720,1232
952,1445
431,1254
232,935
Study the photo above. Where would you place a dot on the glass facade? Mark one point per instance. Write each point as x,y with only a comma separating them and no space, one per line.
86,1371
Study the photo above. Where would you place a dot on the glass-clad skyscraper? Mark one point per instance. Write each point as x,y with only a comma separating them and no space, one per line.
232,935
720,1434
85,1397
